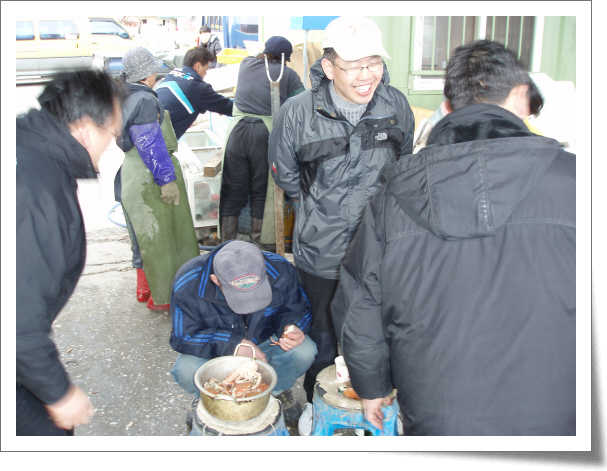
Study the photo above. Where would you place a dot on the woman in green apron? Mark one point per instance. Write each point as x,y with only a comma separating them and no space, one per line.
246,177
151,186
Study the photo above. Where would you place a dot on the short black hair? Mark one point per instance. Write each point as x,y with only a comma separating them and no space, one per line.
198,54
482,72
71,96
330,54
204,29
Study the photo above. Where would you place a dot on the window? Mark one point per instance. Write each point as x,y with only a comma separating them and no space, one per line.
437,37
214,22
107,28
25,30
59,29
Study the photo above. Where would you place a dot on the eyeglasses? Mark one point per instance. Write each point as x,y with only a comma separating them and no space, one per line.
354,71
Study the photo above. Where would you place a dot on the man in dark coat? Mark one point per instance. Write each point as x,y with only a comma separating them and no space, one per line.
327,150
459,286
63,141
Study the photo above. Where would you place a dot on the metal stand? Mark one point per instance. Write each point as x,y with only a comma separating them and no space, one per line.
279,196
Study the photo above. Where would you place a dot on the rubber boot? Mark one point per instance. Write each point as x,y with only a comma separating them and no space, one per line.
158,307
143,289
256,233
229,228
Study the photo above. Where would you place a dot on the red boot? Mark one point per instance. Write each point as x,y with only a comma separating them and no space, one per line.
143,289
158,307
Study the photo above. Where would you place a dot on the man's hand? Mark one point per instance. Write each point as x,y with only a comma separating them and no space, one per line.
74,408
291,339
372,412
170,193
247,352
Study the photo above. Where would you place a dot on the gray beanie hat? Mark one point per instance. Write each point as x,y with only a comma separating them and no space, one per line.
139,63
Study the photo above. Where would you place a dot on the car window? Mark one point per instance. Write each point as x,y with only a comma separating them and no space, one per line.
59,29
107,27
25,30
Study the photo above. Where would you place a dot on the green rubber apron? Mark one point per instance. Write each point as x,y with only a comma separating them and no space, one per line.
165,232
268,231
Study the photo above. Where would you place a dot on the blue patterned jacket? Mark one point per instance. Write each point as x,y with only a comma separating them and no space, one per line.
204,326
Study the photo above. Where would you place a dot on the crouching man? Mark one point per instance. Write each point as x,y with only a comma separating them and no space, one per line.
239,294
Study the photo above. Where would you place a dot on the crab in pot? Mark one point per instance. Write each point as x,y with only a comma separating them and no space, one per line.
244,381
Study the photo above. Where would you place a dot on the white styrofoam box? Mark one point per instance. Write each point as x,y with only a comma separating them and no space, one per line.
558,116
203,196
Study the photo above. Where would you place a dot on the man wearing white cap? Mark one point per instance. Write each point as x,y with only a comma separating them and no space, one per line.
328,149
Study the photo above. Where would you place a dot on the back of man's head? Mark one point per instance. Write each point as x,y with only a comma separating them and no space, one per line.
198,54
71,96
482,72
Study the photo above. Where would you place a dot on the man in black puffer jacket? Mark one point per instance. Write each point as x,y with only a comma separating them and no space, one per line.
459,286
55,146
327,150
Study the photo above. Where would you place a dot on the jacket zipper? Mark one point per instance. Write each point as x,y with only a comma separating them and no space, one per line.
302,230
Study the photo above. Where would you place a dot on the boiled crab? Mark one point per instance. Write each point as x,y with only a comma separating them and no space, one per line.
285,335
244,381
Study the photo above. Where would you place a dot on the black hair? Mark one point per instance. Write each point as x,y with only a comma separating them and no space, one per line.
330,54
204,29
198,54
482,72
536,101
271,58
71,96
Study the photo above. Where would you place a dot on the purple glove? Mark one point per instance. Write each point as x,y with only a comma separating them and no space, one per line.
153,151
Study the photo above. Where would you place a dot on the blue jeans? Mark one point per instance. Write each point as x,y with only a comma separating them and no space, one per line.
288,365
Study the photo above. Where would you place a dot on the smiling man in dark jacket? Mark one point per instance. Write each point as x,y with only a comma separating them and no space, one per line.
238,294
184,93
327,151
79,116
459,286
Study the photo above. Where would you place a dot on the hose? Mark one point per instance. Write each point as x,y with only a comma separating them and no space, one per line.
109,215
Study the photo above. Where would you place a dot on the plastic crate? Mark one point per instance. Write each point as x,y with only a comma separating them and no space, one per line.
203,196
232,56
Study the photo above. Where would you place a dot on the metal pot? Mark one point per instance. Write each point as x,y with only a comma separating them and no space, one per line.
227,407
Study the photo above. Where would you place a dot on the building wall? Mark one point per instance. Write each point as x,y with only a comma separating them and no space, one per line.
558,50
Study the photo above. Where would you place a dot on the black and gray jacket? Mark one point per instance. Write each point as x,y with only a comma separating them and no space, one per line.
214,46
459,286
51,245
332,167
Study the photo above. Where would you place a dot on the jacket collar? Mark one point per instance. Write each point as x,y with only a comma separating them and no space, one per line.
40,131
140,87
477,122
189,70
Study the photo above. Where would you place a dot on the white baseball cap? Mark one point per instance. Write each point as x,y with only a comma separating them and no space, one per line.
354,37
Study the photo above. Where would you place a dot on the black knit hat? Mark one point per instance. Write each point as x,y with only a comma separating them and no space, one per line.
276,45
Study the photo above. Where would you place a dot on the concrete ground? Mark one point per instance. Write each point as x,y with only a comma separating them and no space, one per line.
112,346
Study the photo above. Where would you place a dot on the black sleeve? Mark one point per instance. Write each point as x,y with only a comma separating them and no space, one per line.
205,98
42,228
295,87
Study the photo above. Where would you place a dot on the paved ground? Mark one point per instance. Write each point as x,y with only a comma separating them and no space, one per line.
113,347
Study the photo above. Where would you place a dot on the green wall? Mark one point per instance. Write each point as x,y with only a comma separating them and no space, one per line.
558,51
396,36
558,48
